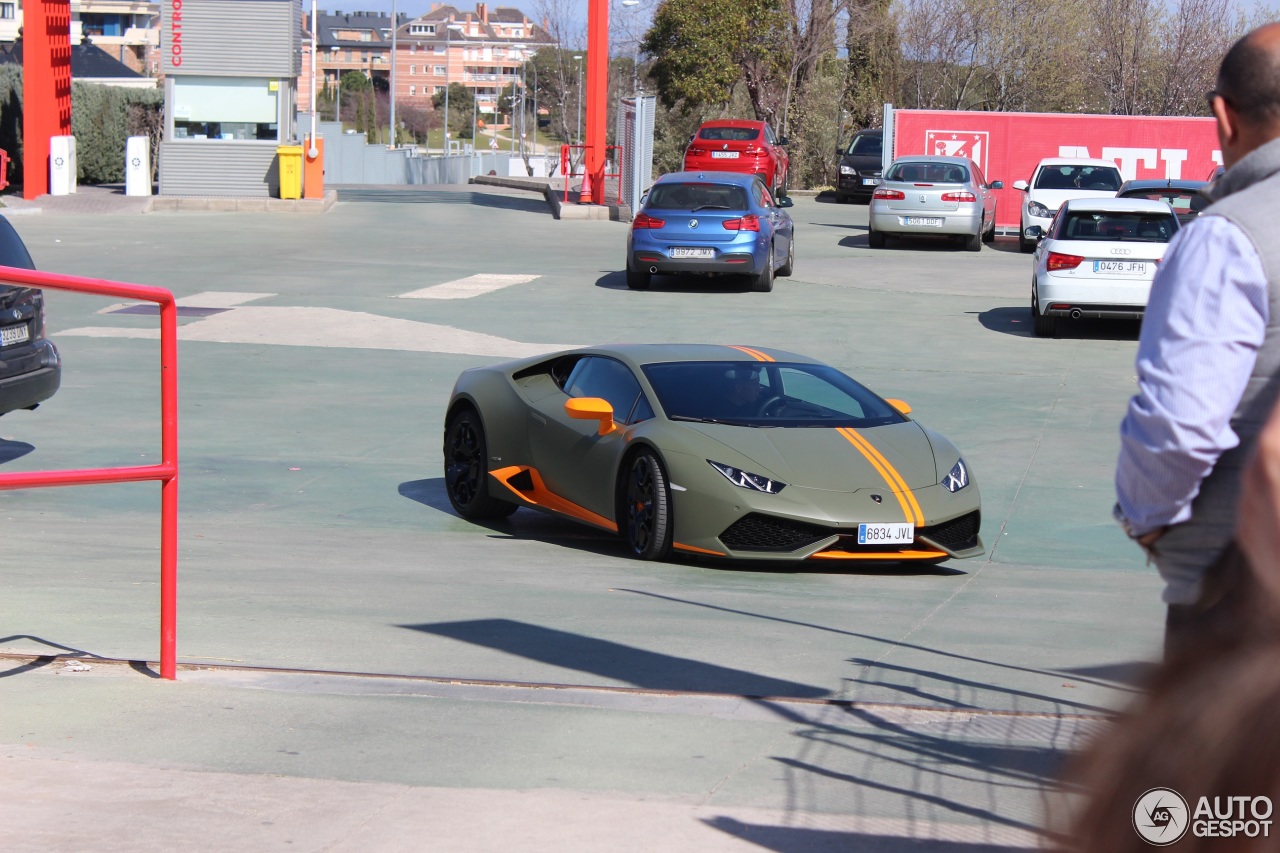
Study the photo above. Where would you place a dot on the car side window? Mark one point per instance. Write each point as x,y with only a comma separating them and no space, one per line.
979,178
768,135
596,376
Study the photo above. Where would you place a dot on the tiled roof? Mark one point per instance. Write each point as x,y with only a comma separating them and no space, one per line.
88,61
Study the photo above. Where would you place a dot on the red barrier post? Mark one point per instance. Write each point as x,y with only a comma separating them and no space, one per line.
166,472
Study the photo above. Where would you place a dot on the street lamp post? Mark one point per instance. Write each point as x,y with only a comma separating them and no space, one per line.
391,120
523,57
635,57
534,55
448,31
337,75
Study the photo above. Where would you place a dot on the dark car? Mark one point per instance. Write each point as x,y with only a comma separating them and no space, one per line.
860,165
1185,197
710,223
30,367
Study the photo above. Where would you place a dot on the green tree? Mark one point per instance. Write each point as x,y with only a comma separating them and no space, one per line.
702,48
461,104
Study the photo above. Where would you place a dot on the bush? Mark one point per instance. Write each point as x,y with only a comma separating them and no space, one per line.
102,117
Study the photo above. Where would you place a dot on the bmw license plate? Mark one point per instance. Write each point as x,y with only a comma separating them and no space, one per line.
898,533
930,221
18,334
724,155
692,252
1120,267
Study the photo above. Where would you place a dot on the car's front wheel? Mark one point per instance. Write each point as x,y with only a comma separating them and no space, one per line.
989,236
646,507
790,265
466,469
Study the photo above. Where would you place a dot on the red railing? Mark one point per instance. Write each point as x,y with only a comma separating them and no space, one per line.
566,162
166,472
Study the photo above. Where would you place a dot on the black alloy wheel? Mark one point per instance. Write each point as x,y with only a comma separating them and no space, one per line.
647,508
787,268
466,468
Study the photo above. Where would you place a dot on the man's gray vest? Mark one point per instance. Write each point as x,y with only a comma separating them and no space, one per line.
1248,195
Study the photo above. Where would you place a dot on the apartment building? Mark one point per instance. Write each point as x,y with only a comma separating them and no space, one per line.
482,49
126,30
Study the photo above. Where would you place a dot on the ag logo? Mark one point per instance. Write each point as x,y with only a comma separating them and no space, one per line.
1161,817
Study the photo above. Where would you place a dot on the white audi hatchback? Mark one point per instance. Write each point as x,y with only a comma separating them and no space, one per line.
1097,259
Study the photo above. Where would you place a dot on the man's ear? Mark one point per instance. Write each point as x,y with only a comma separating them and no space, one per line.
1228,123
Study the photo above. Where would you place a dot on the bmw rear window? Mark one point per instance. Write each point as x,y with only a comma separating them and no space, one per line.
695,196
729,134
772,394
1124,227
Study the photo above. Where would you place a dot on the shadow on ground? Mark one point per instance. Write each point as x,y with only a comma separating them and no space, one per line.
794,839
11,450
721,283
1017,321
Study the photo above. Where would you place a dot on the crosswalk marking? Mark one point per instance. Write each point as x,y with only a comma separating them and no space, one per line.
472,285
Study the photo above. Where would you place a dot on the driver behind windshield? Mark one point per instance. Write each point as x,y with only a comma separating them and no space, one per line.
742,390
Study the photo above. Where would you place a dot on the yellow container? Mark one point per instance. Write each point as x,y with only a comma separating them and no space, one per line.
290,170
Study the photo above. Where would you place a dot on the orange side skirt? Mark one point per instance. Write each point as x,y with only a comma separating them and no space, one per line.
541,496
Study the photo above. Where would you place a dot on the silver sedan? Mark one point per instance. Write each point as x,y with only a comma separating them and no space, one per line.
933,196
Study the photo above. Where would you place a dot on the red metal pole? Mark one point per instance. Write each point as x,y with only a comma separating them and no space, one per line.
169,490
46,88
166,472
597,100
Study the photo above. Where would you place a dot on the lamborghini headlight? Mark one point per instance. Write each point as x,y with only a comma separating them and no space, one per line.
958,477
747,480
1037,209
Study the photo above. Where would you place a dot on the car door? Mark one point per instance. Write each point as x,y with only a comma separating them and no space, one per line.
780,225
782,161
573,459
984,189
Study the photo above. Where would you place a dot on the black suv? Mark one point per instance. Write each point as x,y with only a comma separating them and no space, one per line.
30,368
860,165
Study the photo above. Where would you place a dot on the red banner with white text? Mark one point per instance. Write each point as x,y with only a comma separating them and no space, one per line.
1007,146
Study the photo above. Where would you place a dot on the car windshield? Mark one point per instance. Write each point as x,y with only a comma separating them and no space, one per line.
1125,227
1182,201
675,196
1069,177
772,394
866,146
928,173
729,134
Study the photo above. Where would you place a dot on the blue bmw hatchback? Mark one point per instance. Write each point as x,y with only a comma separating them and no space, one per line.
708,223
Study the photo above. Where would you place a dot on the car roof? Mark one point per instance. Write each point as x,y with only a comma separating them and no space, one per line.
870,131
731,122
1117,205
931,158
708,177
1164,184
1076,161
639,355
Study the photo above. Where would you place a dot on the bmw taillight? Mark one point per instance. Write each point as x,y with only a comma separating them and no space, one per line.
889,195
963,196
752,151
695,152
1059,261
750,222
644,220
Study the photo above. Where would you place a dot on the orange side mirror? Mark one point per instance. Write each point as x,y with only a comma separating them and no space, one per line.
900,406
591,409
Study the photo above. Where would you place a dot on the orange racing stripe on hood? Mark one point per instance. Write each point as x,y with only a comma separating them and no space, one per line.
910,508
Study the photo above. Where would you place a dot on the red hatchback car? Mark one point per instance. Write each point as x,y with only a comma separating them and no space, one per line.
733,145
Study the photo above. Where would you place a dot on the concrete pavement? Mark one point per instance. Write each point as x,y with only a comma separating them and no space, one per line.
525,685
